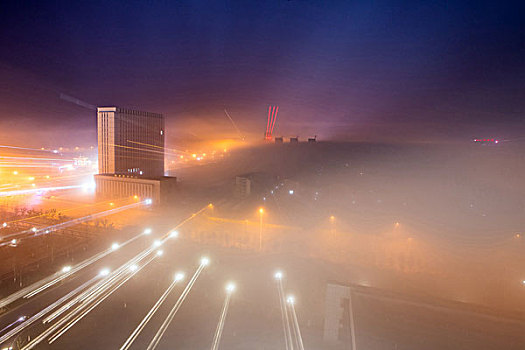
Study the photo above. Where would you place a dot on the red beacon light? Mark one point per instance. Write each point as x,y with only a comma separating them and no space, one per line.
485,141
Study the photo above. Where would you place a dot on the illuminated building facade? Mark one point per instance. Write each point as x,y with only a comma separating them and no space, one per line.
131,155
130,142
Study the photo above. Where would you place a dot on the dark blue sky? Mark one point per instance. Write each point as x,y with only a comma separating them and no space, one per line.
350,69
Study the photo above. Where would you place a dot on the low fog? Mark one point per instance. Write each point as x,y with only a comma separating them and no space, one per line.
430,219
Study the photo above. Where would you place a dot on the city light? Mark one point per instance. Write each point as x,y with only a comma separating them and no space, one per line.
179,276
147,231
157,243
133,268
173,234
278,275
4,224
205,261
104,272
230,287
66,269
159,252
261,210
148,201
115,246
290,299
290,192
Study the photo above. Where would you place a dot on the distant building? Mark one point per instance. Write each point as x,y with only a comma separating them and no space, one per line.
338,319
279,140
294,139
242,187
312,139
131,155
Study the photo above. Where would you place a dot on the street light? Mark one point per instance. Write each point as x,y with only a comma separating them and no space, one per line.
205,261
230,287
261,212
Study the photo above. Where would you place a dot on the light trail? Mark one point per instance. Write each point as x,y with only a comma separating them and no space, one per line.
44,311
90,299
274,119
30,149
25,165
165,148
49,229
268,121
97,293
49,281
127,344
284,313
220,325
38,158
234,125
18,320
101,297
103,285
160,333
36,190
297,331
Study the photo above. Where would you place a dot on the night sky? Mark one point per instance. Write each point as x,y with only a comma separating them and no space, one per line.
350,70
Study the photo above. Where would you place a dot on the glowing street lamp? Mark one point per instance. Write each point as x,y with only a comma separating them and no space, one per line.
205,261
230,287
261,212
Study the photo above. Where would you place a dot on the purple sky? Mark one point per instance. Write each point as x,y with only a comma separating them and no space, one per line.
382,70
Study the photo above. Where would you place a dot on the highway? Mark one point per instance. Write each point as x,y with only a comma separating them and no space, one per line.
254,314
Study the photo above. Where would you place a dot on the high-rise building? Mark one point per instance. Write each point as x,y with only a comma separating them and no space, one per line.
131,155
130,142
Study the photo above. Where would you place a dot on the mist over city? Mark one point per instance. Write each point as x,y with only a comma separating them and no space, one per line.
262,175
